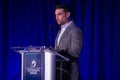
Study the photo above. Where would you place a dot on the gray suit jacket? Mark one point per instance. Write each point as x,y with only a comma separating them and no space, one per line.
70,45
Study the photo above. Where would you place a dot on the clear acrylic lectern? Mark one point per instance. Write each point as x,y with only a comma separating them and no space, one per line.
38,63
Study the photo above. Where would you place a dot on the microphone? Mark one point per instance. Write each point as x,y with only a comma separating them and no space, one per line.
51,34
51,27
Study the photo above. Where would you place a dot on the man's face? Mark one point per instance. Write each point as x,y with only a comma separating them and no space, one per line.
61,16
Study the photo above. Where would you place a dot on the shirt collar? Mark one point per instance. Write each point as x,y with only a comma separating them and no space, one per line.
66,25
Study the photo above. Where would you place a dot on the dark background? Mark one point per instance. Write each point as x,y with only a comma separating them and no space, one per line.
27,22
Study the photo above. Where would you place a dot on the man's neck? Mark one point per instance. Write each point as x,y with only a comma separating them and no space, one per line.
66,24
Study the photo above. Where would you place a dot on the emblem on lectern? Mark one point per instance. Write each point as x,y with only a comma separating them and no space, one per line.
33,68
33,63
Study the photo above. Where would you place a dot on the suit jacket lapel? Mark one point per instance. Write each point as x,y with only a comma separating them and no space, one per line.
65,33
67,30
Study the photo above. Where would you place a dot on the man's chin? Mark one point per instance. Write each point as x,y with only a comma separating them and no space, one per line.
58,23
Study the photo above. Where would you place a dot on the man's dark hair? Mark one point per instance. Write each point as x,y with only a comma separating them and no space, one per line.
65,7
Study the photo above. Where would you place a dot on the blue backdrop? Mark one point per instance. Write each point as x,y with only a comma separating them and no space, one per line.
27,22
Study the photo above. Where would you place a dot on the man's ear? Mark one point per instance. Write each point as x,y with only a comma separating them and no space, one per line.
68,14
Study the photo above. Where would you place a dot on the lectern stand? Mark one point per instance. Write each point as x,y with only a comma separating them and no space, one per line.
39,64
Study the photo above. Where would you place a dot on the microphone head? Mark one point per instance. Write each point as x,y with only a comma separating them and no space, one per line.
51,26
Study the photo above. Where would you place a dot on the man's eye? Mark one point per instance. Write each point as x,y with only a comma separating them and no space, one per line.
59,13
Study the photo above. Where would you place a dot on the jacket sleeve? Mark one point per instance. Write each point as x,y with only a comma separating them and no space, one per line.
76,42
